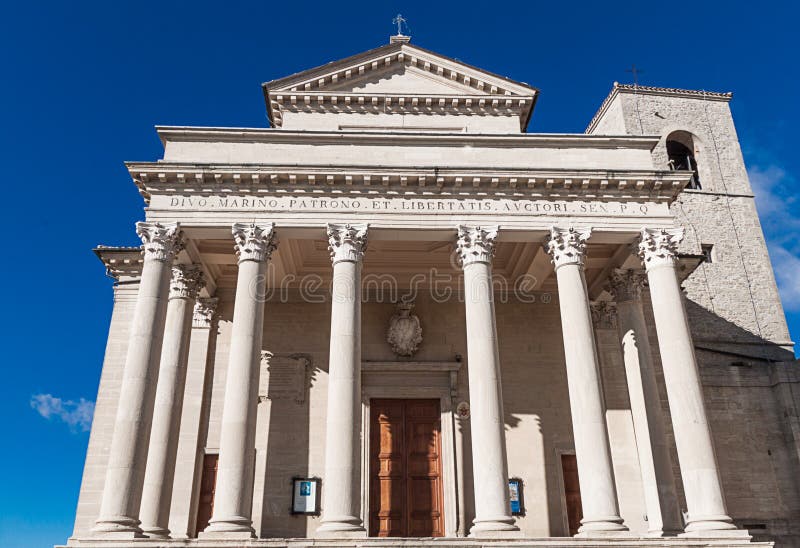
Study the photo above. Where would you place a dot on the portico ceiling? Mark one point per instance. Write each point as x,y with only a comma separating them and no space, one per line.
407,262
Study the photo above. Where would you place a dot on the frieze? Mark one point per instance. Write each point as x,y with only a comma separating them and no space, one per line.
404,205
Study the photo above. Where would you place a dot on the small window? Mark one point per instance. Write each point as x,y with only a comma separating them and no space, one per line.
708,252
681,154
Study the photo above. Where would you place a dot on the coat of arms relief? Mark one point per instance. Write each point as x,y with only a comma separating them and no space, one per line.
405,332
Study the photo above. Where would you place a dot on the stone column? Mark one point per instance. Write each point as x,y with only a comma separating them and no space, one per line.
475,248
705,503
567,247
199,372
122,493
341,488
658,481
160,472
234,495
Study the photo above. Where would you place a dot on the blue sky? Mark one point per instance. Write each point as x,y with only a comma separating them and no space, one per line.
85,82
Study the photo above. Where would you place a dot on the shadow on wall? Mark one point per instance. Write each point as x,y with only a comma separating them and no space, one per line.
536,408
711,332
285,394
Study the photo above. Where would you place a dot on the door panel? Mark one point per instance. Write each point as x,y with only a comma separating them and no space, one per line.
387,463
572,493
405,469
208,487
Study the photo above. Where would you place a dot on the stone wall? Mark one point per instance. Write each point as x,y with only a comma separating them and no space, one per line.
105,410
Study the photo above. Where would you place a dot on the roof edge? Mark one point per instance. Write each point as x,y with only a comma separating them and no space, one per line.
618,88
234,134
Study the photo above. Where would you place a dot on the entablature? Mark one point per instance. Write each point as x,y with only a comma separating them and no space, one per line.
263,180
122,263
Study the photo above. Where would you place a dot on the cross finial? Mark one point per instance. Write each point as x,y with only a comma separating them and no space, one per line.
636,72
400,21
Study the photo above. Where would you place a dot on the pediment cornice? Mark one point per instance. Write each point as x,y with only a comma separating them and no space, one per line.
260,180
325,88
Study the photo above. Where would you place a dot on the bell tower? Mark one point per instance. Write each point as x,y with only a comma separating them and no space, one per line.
717,210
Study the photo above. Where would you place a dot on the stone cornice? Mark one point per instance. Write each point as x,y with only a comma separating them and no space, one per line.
163,178
389,138
365,103
652,90
358,65
120,262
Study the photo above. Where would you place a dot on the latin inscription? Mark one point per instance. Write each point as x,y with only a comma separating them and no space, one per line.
422,205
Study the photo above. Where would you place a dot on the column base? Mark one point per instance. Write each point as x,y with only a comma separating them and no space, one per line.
237,527
502,527
720,526
341,527
121,527
602,527
160,533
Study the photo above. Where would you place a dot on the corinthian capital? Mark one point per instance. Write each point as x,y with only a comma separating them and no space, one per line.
347,242
187,279
567,245
659,246
161,241
604,315
476,244
254,242
626,284
205,311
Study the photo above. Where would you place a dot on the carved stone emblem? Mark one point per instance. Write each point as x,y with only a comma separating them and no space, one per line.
404,333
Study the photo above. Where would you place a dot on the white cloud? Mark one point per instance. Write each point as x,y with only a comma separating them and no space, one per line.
779,209
76,414
787,269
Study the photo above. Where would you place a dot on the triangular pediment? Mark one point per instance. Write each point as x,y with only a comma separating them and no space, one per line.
398,74
401,79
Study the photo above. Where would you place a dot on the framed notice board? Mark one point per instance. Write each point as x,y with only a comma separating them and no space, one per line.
305,496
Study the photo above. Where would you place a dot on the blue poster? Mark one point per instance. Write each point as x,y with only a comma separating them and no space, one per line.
513,496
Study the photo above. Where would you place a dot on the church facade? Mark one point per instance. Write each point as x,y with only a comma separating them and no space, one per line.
395,314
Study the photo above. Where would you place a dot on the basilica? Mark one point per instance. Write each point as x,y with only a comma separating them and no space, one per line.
395,315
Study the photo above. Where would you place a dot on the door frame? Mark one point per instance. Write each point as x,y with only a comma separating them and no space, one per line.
562,489
420,380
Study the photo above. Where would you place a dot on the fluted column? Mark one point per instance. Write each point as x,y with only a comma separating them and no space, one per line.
567,247
475,248
122,492
160,472
701,483
234,494
658,481
341,515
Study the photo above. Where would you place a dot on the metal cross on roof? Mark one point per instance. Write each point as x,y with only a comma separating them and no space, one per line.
400,21
636,72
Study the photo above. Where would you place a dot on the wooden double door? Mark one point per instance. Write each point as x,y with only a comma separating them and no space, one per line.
405,469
